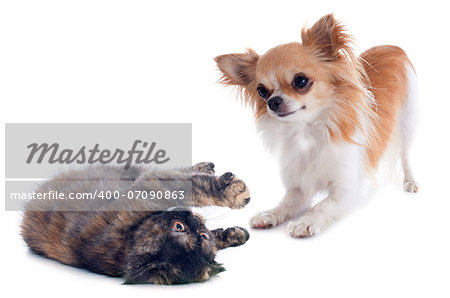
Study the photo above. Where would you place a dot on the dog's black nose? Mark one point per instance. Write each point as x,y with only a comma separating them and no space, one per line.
274,103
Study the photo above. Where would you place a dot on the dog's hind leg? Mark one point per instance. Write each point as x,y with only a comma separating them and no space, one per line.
407,121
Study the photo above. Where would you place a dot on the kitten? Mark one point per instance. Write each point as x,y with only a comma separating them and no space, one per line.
160,247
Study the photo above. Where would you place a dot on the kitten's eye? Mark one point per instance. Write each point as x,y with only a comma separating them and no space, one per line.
204,235
300,82
178,227
263,92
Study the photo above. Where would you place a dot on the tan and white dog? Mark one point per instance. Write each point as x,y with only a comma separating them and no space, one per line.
328,115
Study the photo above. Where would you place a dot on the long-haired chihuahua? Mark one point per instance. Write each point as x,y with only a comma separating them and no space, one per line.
328,115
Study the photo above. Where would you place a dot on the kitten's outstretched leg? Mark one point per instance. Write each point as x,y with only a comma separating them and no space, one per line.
234,236
204,167
207,190
225,190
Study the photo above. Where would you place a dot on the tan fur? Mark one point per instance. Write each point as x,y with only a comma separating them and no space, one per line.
386,69
54,246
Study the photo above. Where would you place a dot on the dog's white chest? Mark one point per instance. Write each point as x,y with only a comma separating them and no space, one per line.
304,153
308,158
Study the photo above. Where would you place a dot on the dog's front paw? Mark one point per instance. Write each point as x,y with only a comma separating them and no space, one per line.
204,167
410,186
264,220
303,227
234,192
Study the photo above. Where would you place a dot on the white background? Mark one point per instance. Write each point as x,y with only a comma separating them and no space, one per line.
151,61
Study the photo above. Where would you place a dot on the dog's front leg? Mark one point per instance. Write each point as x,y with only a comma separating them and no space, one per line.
293,203
339,202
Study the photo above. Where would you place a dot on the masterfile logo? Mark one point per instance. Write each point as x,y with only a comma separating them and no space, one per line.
54,154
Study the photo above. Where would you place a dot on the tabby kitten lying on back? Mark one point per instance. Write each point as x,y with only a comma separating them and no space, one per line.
166,247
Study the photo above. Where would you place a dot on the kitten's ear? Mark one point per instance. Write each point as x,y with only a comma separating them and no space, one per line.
215,268
326,37
238,69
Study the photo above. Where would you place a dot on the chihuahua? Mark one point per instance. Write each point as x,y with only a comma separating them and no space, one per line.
329,116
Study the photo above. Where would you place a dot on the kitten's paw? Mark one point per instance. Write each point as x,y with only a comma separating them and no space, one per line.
303,227
235,193
204,167
264,220
410,186
235,236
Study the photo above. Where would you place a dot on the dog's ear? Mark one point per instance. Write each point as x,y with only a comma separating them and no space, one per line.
238,69
327,37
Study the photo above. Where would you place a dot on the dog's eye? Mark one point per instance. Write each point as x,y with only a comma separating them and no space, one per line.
300,82
204,235
178,227
263,92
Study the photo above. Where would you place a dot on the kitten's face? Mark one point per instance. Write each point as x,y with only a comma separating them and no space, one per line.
172,248
188,232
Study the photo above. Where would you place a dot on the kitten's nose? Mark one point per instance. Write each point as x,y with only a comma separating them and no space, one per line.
274,103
